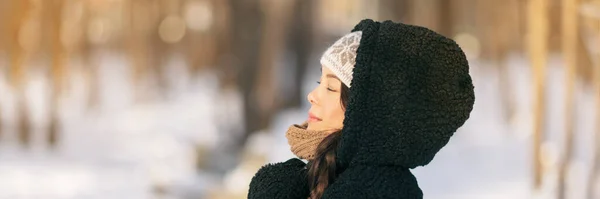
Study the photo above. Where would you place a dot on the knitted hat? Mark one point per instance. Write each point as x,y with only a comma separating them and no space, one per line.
340,57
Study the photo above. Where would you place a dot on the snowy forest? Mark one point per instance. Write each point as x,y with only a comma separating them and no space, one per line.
142,99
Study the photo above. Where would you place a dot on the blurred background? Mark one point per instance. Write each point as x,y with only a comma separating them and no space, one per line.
189,98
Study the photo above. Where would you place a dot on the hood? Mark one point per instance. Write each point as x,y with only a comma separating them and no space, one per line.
411,90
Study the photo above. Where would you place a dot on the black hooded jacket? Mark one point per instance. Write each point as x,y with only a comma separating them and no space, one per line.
411,90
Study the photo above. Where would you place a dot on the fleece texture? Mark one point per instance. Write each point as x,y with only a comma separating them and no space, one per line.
411,91
285,180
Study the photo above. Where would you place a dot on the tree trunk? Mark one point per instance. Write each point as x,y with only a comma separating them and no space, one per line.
246,30
594,178
538,50
426,13
504,37
446,18
137,14
276,26
90,66
4,21
205,47
395,10
18,68
569,40
58,70
302,38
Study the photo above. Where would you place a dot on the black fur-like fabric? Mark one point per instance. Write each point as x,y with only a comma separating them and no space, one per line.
286,180
411,90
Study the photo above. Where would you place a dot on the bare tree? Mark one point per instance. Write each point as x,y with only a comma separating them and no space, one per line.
538,50
242,68
53,19
18,16
138,30
447,20
4,21
569,45
395,10
301,39
428,14
594,178
258,30
159,51
205,47
89,66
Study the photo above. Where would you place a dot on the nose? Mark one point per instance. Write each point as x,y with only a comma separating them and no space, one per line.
311,97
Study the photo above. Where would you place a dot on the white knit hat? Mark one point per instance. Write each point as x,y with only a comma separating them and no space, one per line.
341,56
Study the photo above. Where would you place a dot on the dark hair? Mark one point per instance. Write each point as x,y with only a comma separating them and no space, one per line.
322,169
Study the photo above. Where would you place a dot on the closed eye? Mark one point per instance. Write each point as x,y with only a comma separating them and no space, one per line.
329,89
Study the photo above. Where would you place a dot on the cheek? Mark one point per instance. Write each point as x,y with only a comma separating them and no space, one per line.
335,114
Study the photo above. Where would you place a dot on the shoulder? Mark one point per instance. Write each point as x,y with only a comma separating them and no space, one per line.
280,180
292,167
375,182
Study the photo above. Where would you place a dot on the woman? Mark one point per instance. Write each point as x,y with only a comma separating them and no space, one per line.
389,98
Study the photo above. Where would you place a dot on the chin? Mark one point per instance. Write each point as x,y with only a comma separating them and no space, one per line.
312,127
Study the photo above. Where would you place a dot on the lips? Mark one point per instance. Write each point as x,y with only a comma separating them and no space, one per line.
313,118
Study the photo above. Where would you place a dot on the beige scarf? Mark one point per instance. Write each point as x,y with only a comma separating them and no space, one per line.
303,142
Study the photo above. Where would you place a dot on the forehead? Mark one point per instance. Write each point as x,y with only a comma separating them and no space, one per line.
325,70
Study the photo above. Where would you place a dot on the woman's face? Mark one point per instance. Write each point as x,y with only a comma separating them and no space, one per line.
326,111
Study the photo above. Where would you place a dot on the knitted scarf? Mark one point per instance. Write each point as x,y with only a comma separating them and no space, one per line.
303,142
